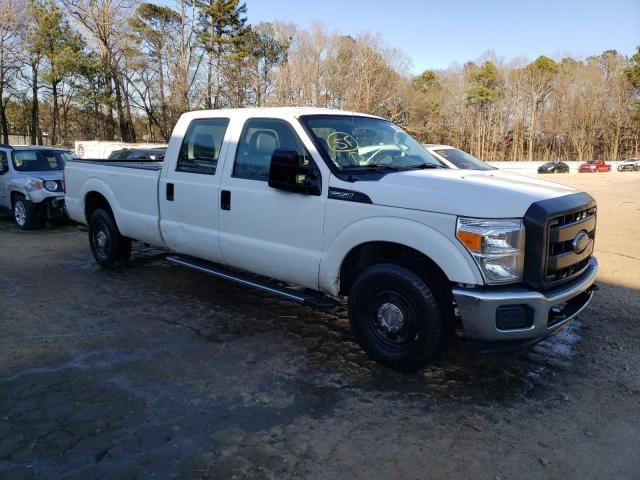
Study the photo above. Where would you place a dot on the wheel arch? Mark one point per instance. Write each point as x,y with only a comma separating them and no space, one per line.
371,240
13,196
93,201
97,194
370,253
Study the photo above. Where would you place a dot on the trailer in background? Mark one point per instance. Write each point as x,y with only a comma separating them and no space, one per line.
97,149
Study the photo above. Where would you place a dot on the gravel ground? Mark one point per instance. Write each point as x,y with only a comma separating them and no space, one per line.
152,371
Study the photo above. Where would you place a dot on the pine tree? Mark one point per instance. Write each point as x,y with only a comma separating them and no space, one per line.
222,26
61,46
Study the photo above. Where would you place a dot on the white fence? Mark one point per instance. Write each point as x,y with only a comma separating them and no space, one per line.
19,139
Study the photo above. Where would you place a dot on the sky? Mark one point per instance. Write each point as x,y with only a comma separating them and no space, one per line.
437,34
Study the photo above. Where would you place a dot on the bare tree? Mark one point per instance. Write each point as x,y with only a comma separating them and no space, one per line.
12,24
103,21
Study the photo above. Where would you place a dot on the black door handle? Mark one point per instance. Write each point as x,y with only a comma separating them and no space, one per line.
170,192
225,200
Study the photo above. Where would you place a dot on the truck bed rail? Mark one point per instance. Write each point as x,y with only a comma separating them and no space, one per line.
153,165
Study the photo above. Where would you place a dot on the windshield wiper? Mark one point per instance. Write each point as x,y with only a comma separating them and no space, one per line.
373,166
424,166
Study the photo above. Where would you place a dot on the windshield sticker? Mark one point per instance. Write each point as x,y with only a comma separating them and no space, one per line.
342,142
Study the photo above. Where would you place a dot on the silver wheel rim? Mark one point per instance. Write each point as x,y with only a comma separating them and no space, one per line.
390,318
20,213
101,239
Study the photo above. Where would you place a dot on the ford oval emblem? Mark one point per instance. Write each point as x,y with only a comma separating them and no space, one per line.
580,242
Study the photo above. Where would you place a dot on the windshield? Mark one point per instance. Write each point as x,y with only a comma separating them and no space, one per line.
462,159
40,160
363,143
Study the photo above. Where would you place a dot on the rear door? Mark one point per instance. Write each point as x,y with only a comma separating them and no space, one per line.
189,191
263,230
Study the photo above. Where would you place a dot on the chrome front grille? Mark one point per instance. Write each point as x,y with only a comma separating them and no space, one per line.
564,261
552,225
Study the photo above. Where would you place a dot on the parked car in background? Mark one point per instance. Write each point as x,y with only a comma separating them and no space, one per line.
593,166
631,164
554,167
138,154
31,183
453,157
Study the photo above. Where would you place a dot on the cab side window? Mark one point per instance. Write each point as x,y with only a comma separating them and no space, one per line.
4,162
260,138
201,146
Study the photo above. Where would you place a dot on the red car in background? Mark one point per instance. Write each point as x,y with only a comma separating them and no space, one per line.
593,166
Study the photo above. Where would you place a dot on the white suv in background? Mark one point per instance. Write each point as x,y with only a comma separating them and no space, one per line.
453,157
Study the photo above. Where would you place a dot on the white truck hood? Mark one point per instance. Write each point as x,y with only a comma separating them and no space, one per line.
486,194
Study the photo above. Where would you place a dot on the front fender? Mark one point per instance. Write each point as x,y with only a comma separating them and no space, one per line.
445,252
17,185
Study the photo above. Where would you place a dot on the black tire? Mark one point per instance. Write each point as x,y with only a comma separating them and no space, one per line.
107,244
25,213
376,297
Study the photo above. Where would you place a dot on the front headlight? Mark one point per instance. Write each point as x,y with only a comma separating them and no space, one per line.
497,246
51,185
33,184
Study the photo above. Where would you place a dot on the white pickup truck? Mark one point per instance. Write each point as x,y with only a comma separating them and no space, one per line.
317,205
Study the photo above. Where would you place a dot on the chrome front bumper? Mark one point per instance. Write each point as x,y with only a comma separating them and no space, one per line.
552,309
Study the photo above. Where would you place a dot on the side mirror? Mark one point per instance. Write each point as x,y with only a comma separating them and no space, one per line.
288,172
4,168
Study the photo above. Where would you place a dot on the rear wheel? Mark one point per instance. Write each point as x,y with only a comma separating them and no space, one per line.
107,244
395,317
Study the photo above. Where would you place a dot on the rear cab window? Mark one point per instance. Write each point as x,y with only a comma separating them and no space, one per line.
200,150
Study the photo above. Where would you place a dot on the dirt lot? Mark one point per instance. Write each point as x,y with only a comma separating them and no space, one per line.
154,371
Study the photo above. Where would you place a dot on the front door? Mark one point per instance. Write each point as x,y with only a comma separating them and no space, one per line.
267,231
189,195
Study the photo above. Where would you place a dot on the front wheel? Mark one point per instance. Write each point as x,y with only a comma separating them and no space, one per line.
107,243
24,213
395,317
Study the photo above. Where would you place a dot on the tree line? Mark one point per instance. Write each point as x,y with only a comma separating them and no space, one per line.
126,70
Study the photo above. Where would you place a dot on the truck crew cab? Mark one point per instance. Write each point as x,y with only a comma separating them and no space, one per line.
344,204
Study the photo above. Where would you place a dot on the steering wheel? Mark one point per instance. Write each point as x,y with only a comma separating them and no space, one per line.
381,154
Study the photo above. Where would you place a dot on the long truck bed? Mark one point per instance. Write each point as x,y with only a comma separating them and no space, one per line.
131,188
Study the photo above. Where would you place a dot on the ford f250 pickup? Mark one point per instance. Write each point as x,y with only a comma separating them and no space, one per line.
321,205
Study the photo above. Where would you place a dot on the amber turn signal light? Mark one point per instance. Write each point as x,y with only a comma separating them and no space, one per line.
472,241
